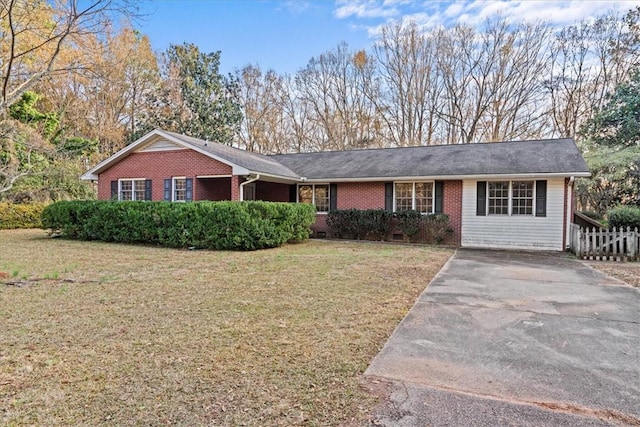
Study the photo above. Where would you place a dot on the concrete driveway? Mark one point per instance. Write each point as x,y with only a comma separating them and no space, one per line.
513,339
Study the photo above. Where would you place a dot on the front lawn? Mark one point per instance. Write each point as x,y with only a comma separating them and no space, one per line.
97,333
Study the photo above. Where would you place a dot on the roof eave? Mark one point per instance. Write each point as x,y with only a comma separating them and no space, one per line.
449,177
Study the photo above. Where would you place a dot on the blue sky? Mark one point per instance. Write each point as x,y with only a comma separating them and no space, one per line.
284,34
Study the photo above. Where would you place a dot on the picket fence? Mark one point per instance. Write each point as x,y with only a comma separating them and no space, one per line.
605,245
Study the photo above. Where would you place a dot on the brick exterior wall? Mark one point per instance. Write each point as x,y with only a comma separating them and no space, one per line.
370,195
235,187
272,191
159,165
360,195
213,189
452,206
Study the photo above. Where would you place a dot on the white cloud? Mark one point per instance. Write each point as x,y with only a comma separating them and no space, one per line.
373,14
295,7
365,9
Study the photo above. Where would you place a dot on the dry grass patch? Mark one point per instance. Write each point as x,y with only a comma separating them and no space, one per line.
130,335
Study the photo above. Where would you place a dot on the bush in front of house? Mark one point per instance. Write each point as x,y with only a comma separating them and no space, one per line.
375,224
432,228
206,225
20,215
624,216
372,224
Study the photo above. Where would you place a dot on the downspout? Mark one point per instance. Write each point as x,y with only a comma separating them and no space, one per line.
249,181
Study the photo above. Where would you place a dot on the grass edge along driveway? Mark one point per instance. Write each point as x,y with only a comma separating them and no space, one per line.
131,335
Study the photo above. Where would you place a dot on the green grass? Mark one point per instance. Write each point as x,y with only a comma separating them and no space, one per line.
134,335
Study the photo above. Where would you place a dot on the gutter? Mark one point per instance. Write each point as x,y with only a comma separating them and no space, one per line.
249,181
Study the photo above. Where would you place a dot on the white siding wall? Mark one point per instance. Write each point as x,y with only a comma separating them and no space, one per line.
516,231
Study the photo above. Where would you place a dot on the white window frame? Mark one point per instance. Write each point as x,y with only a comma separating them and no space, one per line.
413,195
313,195
133,188
174,189
510,201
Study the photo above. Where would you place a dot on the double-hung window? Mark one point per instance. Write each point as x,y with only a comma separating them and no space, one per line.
134,189
178,189
512,198
414,196
315,194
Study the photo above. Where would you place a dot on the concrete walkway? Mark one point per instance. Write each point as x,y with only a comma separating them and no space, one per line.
514,339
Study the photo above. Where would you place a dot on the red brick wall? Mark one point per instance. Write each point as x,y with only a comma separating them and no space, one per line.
213,189
452,206
361,195
370,195
272,191
235,187
160,165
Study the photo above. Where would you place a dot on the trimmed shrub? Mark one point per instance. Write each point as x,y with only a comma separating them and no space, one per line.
376,224
409,223
436,228
624,216
206,225
372,224
13,215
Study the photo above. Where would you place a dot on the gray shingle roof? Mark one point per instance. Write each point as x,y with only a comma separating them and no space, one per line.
252,161
557,156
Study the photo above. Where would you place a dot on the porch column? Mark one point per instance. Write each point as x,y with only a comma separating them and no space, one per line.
235,187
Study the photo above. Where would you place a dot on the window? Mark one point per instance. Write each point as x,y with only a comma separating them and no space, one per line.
511,198
133,189
522,198
315,194
179,189
414,195
499,198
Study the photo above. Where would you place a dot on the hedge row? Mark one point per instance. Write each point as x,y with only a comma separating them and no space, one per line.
377,223
624,216
206,225
13,215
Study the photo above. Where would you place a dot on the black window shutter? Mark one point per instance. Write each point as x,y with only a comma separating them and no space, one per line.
188,194
147,189
541,198
114,190
167,189
438,199
388,196
481,202
333,197
293,193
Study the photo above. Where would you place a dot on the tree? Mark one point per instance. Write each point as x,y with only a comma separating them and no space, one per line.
195,99
34,33
333,87
612,144
587,61
410,87
264,127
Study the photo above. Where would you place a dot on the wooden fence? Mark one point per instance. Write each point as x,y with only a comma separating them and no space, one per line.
600,244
